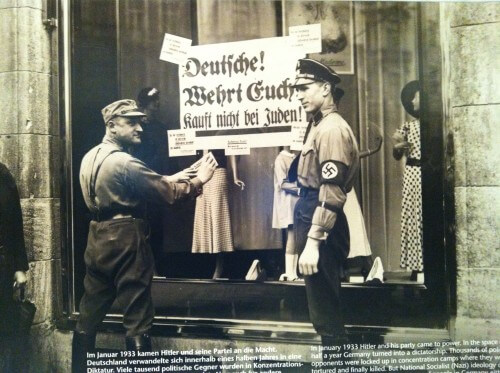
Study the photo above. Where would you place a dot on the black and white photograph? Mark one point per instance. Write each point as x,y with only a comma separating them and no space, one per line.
240,186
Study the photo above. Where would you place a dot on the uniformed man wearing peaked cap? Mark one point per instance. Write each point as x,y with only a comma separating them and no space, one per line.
118,258
327,167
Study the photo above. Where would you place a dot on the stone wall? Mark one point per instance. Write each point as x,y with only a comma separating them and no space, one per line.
29,146
474,108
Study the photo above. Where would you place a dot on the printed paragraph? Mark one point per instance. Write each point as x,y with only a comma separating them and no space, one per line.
216,360
447,356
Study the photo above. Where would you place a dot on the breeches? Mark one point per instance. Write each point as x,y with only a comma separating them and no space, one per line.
119,265
323,288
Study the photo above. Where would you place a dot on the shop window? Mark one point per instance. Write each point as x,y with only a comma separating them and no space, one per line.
377,48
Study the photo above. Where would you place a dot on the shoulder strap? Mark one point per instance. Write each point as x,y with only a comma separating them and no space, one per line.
93,176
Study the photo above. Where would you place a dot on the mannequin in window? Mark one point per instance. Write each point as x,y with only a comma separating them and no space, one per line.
154,147
286,195
212,232
407,148
359,249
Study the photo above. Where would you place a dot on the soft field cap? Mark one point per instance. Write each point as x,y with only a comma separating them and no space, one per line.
121,108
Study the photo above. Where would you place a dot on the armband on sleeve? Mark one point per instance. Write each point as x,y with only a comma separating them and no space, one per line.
333,172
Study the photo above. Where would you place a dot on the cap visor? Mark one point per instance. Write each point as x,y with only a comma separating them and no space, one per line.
302,81
133,114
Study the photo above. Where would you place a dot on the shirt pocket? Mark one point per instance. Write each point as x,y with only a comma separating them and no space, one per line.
307,155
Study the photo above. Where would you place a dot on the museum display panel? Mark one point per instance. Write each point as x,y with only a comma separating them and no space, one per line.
377,48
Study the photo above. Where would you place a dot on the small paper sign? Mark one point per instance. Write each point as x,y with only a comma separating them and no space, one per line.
175,49
297,135
237,147
180,143
306,37
209,156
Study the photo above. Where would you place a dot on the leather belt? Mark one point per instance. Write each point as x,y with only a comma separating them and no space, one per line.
122,216
304,191
413,162
110,215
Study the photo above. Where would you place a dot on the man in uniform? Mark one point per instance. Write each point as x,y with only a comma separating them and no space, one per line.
118,258
13,267
327,167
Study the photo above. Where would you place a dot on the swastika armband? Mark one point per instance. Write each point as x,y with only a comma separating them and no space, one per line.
333,172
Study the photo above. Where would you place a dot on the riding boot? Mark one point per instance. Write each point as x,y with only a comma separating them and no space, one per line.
141,342
82,343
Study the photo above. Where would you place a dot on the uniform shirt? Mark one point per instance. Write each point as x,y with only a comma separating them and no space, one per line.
330,138
12,249
124,183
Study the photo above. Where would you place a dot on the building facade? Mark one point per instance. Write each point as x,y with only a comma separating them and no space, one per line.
34,144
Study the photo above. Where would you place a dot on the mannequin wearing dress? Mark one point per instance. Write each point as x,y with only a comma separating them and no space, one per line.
285,198
212,222
407,147
358,237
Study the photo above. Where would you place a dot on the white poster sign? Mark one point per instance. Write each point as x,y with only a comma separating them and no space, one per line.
240,91
308,37
175,49
297,135
181,143
237,147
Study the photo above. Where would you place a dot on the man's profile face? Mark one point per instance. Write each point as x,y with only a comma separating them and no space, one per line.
311,95
127,130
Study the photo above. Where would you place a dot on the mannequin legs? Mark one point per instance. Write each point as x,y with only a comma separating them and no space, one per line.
291,257
219,266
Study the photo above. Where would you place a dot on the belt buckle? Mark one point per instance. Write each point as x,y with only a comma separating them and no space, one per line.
121,216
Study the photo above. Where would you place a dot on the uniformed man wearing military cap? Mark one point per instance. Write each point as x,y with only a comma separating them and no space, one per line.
119,263
327,167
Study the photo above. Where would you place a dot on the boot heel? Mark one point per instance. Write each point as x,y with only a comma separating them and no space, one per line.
140,342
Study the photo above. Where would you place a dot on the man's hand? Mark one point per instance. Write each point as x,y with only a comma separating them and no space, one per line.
206,169
308,261
20,280
183,175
